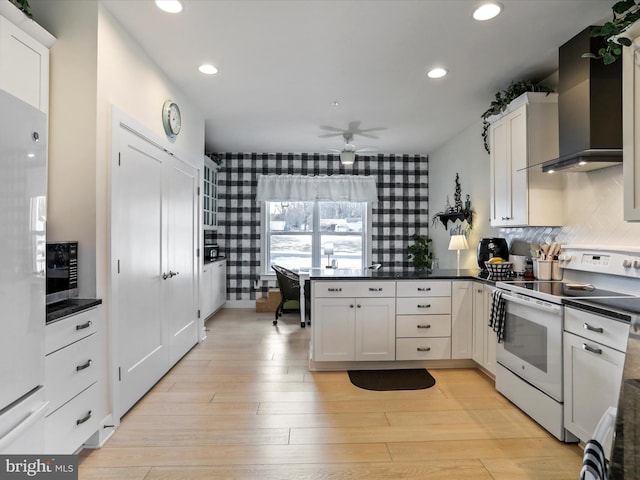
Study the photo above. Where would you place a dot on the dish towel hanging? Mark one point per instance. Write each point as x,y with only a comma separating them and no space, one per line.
594,465
496,317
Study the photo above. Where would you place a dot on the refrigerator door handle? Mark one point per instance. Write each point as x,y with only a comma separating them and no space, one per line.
24,425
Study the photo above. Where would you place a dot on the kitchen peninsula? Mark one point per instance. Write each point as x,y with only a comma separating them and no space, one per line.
390,318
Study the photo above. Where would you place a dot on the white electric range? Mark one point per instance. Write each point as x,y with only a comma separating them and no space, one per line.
529,361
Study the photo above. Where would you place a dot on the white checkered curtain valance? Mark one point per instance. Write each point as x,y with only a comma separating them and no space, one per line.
303,188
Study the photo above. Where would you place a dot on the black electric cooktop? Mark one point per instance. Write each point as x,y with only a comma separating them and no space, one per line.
565,289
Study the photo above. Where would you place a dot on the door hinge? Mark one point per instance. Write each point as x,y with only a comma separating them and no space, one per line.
198,313
198,191
197,253
119,374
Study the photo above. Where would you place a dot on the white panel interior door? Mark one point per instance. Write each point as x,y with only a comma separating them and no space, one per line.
137,247
179,288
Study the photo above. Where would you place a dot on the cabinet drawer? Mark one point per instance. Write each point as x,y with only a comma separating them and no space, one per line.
424,288
365,288
71,425
423,326
70,329
423,306
423,348
597,328
70,370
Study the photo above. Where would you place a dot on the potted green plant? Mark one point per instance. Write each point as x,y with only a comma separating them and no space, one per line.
24,6
420,252
625,13
503,99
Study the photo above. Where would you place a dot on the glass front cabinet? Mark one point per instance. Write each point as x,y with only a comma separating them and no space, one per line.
210,195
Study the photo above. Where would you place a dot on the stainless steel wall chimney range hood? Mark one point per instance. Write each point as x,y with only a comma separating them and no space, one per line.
589,108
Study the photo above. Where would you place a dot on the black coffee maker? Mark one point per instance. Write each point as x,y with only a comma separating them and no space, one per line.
492,247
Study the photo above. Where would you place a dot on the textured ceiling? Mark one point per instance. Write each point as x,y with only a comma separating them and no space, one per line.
282,64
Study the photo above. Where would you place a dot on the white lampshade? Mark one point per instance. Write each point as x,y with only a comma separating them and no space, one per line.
458,242
328,248
347,158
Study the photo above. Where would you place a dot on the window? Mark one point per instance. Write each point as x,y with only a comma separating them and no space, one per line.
297,232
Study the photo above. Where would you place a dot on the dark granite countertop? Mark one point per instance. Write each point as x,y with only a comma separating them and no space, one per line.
62,309
619,308
398,274
217,259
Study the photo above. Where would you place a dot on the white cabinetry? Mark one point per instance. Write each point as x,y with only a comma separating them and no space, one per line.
210,195
525,135
484,338
24,58
461,319
424,320
72,367
213,287
353,320
594,355
631,124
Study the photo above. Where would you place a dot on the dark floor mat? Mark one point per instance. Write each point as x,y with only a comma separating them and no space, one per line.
382,380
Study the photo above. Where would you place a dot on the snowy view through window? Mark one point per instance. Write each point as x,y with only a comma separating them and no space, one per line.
298,232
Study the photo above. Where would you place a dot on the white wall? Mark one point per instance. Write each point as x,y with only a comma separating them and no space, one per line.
95,64
465,155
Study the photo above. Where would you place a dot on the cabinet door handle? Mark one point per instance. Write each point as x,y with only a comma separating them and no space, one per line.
80,421
424,306
588,348
423,289
359,306
423,326
371,289
84,325
350,306
334,289
82,367
423,349
479,290
586,326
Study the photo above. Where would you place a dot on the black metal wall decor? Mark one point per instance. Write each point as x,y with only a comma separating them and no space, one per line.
459,212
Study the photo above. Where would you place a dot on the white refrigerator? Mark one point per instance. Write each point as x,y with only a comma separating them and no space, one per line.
23,169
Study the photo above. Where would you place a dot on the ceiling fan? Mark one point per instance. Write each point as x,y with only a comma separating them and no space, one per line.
348,152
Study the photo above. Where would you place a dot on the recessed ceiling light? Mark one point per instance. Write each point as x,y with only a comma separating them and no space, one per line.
208,69
170,6
436,73
335,104
487,11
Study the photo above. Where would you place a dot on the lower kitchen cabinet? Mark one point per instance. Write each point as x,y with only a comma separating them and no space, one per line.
347,327
213,287
484,338
461,319
594,353
71,380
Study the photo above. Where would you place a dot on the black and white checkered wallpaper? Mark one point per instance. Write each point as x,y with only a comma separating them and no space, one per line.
402,209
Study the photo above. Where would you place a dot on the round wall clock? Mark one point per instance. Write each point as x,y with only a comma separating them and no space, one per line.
171,119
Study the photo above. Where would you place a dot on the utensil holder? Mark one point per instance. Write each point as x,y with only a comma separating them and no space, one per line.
556,273
544,269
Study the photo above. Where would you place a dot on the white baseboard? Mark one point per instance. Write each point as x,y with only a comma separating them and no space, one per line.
240,304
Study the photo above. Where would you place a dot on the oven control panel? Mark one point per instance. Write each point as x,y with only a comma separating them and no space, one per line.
623,263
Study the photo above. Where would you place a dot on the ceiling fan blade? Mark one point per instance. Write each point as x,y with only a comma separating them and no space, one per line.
354,126
331,129
366,149
368,135
328,135
334,150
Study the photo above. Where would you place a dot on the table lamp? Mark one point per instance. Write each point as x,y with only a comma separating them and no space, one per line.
458,242
328,251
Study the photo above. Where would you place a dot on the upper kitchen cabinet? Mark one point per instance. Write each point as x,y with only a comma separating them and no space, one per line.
526,134
210,196
24,57
631,124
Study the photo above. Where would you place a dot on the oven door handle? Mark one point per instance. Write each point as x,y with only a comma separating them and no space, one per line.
538,305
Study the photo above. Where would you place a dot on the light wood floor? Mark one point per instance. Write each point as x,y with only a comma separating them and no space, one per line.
242,405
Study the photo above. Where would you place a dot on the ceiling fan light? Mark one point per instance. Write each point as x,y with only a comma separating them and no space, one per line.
169,6
347,158
487,11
